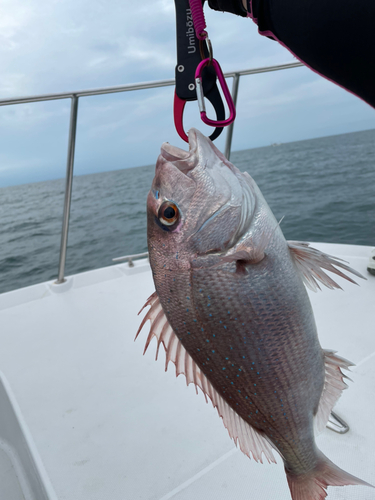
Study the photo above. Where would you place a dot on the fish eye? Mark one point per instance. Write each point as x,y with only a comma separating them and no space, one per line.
168,213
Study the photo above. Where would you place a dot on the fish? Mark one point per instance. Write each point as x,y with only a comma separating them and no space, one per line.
231,309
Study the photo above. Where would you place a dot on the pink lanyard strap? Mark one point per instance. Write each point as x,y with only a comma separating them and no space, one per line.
198,19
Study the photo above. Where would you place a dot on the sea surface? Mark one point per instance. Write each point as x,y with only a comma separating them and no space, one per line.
324,187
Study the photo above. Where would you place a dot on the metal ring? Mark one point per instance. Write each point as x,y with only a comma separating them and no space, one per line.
209,48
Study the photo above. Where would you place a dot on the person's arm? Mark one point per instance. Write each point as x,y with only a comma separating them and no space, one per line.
335,38
238,7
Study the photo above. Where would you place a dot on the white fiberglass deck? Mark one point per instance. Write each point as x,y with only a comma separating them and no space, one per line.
109,423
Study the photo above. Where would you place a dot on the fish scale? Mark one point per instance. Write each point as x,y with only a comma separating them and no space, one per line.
231,304
249,387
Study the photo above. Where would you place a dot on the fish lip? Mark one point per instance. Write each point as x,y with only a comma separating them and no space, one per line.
173,153
184,161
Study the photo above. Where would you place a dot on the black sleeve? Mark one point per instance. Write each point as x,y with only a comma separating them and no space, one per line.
232,6
335,38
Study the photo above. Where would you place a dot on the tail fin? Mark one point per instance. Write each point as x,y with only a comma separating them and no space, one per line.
312,486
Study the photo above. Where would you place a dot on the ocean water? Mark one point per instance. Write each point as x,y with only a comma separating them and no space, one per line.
324,188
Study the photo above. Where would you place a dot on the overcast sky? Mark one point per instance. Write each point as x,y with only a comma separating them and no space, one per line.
54,45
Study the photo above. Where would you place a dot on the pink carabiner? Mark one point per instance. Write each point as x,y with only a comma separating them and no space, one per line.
200,95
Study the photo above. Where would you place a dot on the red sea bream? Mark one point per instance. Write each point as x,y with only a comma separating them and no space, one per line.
233,314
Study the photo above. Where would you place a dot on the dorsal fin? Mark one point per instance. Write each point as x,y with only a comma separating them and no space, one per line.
333,386
310,262
246,437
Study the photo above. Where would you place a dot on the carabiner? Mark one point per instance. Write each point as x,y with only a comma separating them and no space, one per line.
200,95
213,95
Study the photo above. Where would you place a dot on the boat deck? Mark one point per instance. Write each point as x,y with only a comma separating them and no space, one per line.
85,416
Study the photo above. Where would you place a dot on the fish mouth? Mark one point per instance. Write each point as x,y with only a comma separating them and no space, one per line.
185,161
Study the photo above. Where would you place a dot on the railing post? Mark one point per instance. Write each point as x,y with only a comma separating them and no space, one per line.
228,142
68,187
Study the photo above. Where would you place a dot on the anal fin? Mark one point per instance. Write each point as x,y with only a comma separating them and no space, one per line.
249,440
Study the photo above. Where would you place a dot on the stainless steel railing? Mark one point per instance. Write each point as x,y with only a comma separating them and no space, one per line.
74,96
129,258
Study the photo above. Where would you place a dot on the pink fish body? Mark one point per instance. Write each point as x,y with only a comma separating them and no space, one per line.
233,314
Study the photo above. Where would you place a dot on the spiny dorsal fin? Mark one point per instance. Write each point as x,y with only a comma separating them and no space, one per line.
249,439
310,262
333,386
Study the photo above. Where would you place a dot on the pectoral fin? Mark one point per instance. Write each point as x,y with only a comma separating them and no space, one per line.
249,251
248,439
310,262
